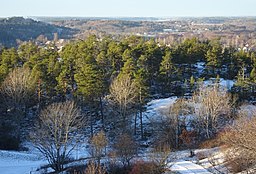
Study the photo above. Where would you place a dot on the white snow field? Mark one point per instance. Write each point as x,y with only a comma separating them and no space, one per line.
185,167
213,159
12,162
155,108
182,163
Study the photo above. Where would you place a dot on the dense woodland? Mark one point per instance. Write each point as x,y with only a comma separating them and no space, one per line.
110,80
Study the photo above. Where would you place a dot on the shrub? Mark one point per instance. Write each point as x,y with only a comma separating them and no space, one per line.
201,155
210,143
240,138
142,167
94,168
237,165
90,168
8,140
125,149
99,143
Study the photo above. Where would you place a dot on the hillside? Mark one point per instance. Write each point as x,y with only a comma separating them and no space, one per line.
19,28
237,32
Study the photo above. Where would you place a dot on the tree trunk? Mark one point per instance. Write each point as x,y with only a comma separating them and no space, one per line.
101,112
135,123
91,124
207,127
141,123
177,132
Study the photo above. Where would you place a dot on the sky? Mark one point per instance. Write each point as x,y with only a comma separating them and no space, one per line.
128,8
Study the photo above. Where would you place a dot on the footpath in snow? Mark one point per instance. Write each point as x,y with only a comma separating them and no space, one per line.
185,167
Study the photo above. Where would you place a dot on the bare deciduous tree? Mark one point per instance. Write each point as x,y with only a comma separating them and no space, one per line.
172,122
123,92
56,134
18,88
160,156
241,140
99,143
177,114
17,91
210,103
93,168
125,149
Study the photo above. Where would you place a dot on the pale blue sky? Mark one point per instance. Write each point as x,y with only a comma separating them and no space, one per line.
133,8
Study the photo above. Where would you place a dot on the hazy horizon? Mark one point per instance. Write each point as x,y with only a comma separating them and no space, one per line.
131,8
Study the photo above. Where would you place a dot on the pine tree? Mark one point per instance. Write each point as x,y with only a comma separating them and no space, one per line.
27,50
66,80
214,57
9,60
89,78
167,70
114,53
142,94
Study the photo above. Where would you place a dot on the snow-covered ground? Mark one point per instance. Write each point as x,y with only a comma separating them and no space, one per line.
188,167
200,66
227,84
28,162
212,159
156,108
12,162
181,162
248,109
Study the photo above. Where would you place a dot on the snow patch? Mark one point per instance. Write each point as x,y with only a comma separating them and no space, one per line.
156,108
200,66
12,162
227,84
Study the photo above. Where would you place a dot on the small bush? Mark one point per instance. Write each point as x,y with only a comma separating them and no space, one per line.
78,169
99,143
201,155
125,148
119,169
93,168
237,165
142,167
115,166
211,143
90,168
8,141
139,167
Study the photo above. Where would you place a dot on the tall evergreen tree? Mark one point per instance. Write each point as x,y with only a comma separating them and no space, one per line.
167,70
9,60
214,57
66,80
